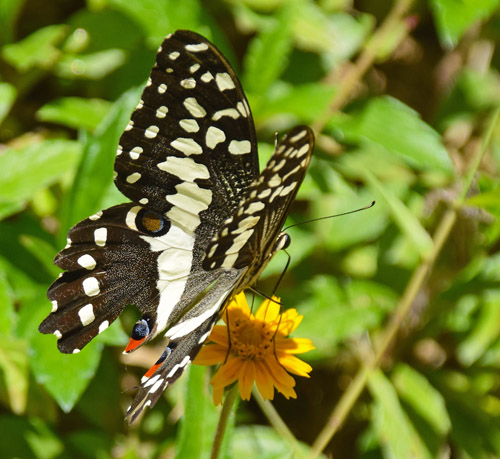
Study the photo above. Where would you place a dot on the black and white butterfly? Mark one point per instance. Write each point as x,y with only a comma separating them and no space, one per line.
203,222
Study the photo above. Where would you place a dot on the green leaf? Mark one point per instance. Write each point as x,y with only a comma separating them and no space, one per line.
489,201
64,376
268,53
7,97
41,250
486,329
398,129
36,50
168,15
30,168
75,112
14,367
95,172
395,432
200,417
427,401
407,222
454,17
9,10
93,66
7,313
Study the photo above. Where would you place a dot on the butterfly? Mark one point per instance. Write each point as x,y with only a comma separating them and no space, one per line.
202,223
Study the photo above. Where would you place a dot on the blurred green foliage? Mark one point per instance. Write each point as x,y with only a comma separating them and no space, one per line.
71,73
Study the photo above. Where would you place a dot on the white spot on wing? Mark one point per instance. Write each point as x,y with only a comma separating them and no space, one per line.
100,236
231,112
185,168
135,152
224,81
174,55
194,107
91,286
86,314
132,178
188,83
187,146
194,68
162,88
54,306
189,125
161,112
214,136
239,147
195,48
57,334
207,77
87,261
151,132
94,217
103,325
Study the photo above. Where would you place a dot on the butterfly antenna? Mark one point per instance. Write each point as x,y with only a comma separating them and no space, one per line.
282,272
331,216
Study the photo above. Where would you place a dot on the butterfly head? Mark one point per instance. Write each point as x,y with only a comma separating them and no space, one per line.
282,242
142,332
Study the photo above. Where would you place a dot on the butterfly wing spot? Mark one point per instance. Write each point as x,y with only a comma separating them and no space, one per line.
57,334
188,83
239,147
197,47
101,236
91,286
189,125
274,181
207,77
129,126
136,152
103,326
132,178
87,261
54,306
174,55
224,82
151,132
193,107
162,88
76,351
140,105
214,136
143,201
149,382
86,314
161,112
186,169
119,150
230,112
94,217
187,146
298,136
194,68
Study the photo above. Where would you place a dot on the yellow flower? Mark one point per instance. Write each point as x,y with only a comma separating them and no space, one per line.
255,348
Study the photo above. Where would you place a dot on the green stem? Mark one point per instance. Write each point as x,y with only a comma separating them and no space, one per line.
278,424
224,417
418,278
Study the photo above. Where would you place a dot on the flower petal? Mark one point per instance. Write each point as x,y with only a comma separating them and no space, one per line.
211,354
282,380
219,335
264,381
227,373
246,379
294,345
295,365
269,310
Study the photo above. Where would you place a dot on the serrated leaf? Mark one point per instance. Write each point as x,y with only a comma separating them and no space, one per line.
14,368
453,17
36,50
398,129
75,112
407,222
268,53
427,401
395,432
8,95
27,169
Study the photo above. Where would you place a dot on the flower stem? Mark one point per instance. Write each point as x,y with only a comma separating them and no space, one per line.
222,424
275,420
418,278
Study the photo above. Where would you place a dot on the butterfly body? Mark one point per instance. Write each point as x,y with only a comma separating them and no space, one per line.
203,222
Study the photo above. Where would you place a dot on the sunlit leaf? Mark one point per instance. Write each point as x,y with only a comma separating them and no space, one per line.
14,369
75,112
90,66
7,96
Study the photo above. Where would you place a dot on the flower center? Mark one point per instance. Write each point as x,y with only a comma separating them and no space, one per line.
252,339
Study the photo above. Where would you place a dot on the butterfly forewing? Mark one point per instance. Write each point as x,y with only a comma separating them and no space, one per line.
189,150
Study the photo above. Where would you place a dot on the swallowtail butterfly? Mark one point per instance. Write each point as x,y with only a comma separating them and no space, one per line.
203,222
